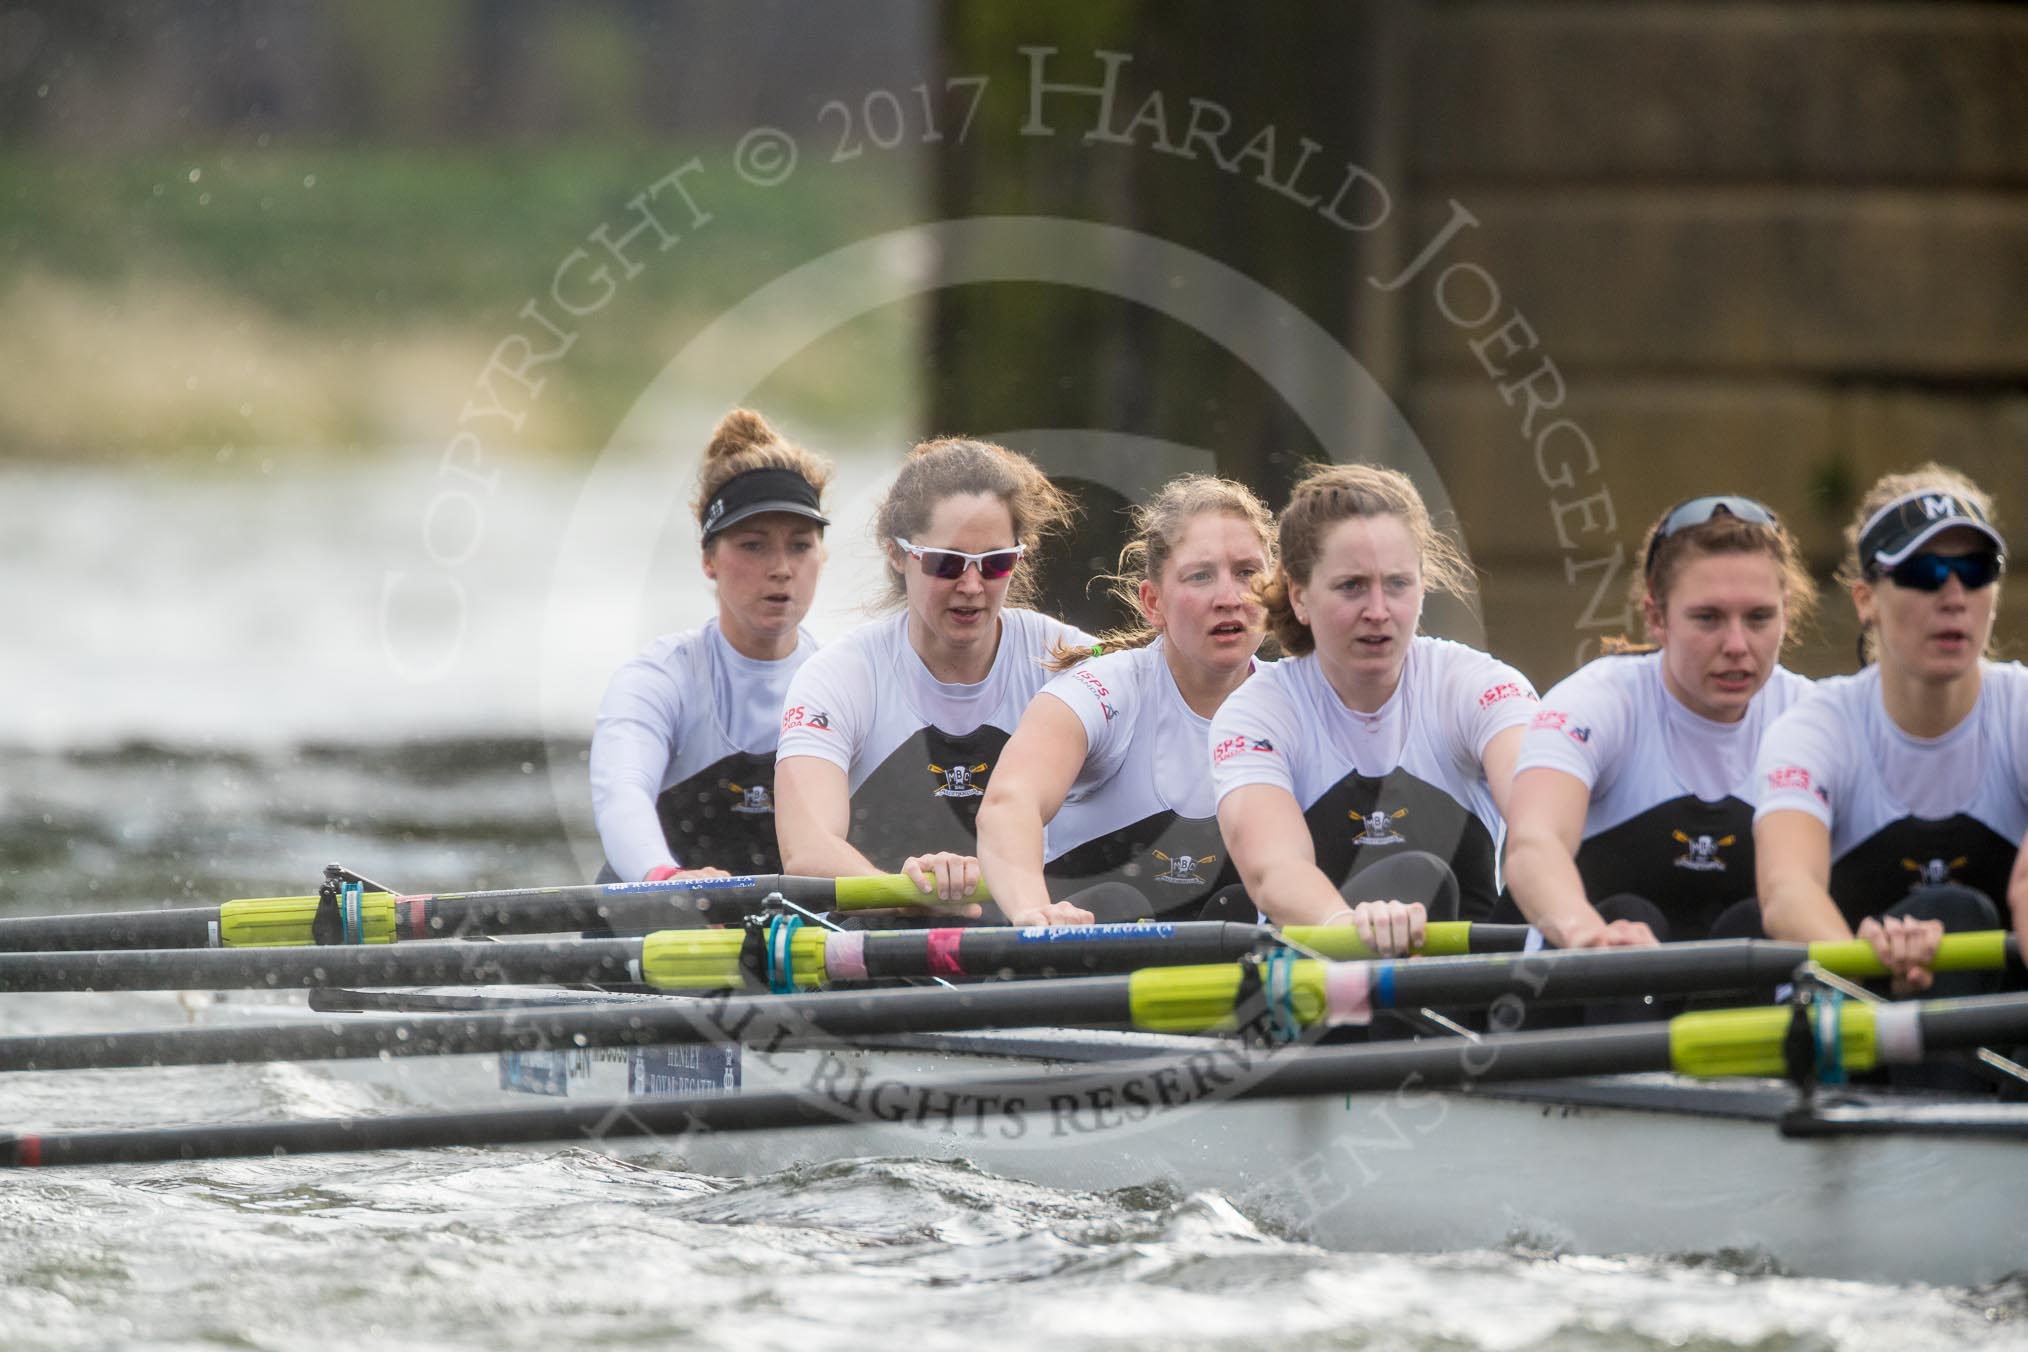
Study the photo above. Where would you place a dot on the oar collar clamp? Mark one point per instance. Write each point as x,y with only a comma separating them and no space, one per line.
767,955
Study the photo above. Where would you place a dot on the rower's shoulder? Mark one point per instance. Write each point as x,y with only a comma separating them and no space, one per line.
1624,676
859,649
1038,634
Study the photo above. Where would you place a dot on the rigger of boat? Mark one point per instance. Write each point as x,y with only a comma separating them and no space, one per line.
1366,938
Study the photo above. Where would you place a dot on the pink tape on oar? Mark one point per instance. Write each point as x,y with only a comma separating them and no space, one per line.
1348,993
845,955
943,952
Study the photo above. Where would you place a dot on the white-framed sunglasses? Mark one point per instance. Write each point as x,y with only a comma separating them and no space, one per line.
950,564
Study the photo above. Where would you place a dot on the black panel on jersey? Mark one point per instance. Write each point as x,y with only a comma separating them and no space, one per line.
925,796
1359,819
1911,852
1176,863
724,816
1689,857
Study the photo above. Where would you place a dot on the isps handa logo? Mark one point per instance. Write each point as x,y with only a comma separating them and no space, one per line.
960,781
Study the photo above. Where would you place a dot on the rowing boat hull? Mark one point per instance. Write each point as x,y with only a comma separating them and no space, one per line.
1644,1165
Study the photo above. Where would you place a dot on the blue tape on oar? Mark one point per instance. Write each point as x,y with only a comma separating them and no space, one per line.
1383,986
1830,1037
781,953
1281,995
352,925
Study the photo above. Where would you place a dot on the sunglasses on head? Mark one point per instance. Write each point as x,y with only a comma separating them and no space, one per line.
950,564
1697,511
1929,572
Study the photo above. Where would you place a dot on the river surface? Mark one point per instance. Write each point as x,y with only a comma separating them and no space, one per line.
202,700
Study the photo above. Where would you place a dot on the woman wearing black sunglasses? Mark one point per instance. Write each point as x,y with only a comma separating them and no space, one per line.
889,736
1631,819
1894,802
683,757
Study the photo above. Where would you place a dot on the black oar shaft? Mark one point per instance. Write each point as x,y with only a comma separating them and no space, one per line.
1590,974
186,928
418,964
766,1020
1031,1103
989,950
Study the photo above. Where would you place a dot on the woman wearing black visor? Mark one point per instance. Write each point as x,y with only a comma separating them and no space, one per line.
1894,802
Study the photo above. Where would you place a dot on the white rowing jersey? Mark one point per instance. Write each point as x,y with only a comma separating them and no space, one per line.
1672,793
1410,775
1904,811
683,756
917,752
1142,810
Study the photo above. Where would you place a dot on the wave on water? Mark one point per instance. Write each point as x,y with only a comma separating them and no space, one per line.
508,1249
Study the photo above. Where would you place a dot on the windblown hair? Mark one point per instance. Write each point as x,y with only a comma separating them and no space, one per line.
1158,528
1931,475
742,442
949,467
1329,494
1721,534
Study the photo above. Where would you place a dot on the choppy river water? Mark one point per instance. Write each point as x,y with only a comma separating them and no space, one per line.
198,705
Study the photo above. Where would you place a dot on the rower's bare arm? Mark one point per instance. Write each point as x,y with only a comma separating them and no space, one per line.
2017,893
1039,764
1793,872
813,812
1545,826
1270,843
1498,763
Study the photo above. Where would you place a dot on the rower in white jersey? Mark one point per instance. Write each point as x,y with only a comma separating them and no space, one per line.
1373,764
1104,797
891,736
1631,820
682,757
1895,802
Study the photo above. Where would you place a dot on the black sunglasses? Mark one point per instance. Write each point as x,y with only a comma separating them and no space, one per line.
1697,511
1929,572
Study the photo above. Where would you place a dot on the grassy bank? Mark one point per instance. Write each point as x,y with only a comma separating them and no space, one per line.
266,298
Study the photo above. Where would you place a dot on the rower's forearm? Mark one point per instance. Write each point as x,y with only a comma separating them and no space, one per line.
1549,890
1010,858
822,855
1799,910
1296,893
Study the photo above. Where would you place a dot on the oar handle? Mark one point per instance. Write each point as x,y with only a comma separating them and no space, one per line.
1972,951
1443,939
887,891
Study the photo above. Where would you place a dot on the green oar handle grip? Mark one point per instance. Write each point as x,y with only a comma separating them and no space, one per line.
889,890
1444,939
1974,951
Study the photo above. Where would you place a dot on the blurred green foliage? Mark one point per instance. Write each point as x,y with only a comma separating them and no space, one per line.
338,250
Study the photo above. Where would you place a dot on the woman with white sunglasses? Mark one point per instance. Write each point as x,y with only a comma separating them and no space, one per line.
1894,802
890,735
